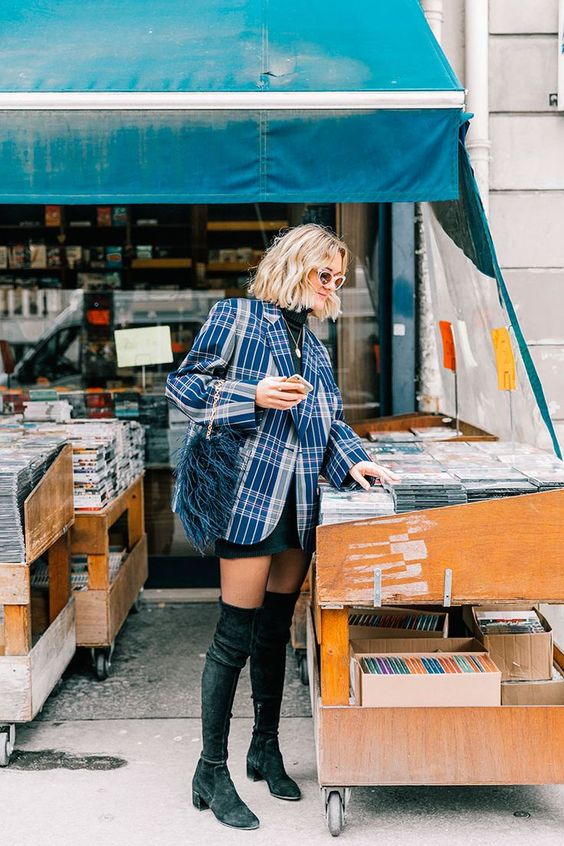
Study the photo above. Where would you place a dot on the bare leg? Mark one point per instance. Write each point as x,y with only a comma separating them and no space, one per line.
243,580
288,571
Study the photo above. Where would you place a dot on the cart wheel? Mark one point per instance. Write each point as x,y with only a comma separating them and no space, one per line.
103,665
303,671
138,604
7,741
335,814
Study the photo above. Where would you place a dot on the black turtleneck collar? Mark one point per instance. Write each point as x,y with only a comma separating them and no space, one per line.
296,319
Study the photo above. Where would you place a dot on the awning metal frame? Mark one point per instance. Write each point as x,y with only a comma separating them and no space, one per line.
230,101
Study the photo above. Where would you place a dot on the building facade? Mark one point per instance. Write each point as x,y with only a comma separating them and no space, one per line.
525,133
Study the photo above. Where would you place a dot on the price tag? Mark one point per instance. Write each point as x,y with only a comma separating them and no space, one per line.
449,350
504,359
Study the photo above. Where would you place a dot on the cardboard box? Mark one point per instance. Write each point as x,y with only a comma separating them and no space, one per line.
520,657
415,691
357,632
545,692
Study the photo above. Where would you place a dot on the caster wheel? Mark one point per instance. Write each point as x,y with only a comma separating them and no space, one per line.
7,741
303,671
335,814
103,666
138,604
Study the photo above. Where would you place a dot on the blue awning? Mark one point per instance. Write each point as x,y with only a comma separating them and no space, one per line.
224,101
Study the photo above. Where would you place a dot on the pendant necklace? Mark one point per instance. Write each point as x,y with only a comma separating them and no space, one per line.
297,343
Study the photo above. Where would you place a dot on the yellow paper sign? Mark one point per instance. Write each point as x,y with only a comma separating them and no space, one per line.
146,345
504,359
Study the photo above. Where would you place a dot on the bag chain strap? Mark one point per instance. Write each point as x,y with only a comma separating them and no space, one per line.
218,388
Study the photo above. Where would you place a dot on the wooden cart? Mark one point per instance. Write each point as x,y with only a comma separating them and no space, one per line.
31,666
298,630
404,422
499,550
102,608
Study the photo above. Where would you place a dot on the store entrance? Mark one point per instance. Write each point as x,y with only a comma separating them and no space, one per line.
71,275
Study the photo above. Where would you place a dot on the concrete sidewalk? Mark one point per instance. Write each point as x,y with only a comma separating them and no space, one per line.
112,762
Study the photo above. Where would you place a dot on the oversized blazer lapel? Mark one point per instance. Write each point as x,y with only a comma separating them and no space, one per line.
309,372
277,338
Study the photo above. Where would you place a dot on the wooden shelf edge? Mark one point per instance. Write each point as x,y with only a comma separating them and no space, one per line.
49,508
246,225
161,263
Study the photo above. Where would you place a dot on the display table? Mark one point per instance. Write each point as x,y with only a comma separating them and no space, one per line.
102,608
503,550
31,667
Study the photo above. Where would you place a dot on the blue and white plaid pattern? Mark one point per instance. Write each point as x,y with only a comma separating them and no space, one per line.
243,341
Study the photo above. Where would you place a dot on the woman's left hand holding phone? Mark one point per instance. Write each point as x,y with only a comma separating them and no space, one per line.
278,392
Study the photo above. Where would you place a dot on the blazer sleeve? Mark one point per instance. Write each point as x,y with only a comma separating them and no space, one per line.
192,386
344,449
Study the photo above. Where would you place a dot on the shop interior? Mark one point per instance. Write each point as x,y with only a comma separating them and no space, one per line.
71,275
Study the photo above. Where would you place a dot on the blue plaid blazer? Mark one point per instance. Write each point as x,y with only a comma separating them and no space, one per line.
243,341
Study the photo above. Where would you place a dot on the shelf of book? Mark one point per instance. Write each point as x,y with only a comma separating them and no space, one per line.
101,608
34,653
495,551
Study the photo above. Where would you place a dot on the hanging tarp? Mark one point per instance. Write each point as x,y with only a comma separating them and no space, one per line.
224,101
468,290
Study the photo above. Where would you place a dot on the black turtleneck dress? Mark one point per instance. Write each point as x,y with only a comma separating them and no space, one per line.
285,533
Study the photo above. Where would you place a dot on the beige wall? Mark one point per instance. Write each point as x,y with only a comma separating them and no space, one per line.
526,171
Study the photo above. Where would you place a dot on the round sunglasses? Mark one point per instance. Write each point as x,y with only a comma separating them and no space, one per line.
326,276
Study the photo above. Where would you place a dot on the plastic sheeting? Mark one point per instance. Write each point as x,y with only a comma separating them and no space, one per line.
468,290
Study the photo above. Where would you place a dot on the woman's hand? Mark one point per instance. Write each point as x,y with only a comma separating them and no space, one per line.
277,392
368,468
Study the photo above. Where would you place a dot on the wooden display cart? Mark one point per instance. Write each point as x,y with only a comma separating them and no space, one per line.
31,666
404,422
498,550
298,631
102,608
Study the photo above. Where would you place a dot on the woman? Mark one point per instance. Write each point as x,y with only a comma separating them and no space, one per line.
291,436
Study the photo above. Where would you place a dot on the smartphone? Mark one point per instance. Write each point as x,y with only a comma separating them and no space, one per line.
297,378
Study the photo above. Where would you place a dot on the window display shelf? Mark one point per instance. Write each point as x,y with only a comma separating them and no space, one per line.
245,225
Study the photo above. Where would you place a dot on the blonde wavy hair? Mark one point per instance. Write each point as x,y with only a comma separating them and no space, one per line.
281,276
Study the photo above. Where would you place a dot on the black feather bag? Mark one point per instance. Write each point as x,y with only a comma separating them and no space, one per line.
207,475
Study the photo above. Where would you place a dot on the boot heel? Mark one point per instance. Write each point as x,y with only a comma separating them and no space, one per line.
253,774
198,802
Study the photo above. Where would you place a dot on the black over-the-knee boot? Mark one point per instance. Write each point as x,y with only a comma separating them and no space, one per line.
268,663
212,786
